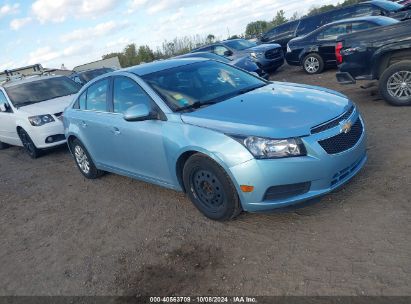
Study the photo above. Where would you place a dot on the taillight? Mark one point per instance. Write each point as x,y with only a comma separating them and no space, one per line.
338,49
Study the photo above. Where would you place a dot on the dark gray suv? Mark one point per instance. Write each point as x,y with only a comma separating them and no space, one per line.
269,57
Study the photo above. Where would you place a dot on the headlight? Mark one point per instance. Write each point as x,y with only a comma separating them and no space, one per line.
273,148
256,54
40,120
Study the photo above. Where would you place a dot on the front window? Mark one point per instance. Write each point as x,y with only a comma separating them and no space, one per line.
201,83
240,45
127,93
41,90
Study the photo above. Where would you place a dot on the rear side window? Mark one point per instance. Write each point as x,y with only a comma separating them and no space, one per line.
96,99
361,26
308,25
366,10
127,93
333,32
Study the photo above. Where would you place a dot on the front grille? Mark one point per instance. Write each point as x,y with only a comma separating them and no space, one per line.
332,123
286,191
343,141
274,53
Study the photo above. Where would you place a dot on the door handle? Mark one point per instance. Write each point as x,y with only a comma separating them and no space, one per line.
116,131
83,124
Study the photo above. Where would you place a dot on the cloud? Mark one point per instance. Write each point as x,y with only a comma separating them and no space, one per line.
17,24
8,9
153,7
59,10
101,29
43,55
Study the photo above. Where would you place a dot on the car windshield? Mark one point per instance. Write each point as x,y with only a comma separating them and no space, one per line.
240,45
389,6
89,75
41,90
201,83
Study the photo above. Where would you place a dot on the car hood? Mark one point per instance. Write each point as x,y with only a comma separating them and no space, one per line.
258,48
278,110
52,106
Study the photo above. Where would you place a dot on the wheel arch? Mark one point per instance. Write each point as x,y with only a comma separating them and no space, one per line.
388,58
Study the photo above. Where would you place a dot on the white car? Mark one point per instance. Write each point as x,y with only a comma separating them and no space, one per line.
31,112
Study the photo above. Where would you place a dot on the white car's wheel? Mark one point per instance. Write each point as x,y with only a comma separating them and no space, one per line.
28,144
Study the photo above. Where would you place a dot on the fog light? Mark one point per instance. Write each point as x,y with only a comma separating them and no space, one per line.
49,139
246,188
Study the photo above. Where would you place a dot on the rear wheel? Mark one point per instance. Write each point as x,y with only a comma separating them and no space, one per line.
28,144
210,188
84,161
313,64
395,84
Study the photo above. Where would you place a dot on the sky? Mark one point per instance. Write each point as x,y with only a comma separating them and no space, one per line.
74,32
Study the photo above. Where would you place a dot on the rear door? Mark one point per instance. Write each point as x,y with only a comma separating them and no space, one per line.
326,40
91,119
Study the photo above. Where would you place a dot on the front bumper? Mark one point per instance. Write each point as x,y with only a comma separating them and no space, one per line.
323,172
270,64
39,135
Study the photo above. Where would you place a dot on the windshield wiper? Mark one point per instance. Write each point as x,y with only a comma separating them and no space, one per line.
26,103
196,105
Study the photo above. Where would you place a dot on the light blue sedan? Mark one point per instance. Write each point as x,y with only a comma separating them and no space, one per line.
232,141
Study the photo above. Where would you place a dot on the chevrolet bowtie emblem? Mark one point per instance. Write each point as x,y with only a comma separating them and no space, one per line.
346,127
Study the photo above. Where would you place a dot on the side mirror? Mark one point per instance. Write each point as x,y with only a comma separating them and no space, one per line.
3,107
139,112
228,53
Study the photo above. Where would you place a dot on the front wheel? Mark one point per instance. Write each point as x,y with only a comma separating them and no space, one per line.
3,145
84,161
395,84
28,144
313,64
210,188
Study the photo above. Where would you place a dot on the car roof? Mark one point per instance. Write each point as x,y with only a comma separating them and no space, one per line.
156,66
13,83
365,18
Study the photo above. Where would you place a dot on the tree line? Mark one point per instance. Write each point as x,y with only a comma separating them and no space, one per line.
133,55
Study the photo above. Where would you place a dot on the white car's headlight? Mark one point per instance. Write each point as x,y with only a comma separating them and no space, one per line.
273,148
40,120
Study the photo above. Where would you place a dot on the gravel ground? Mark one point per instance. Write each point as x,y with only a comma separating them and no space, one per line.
64,235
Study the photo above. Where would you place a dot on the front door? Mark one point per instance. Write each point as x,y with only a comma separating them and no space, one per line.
8,132
135,147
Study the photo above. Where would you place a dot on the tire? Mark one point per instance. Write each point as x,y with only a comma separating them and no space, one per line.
3,146
395,84
28,144
83,160
313,64
210,188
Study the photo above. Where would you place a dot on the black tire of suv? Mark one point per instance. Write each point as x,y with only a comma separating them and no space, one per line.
3,146
207,184
92,172
384,82
320,63
28,144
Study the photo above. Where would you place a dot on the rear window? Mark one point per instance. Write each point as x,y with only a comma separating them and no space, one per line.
89,75
41,90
